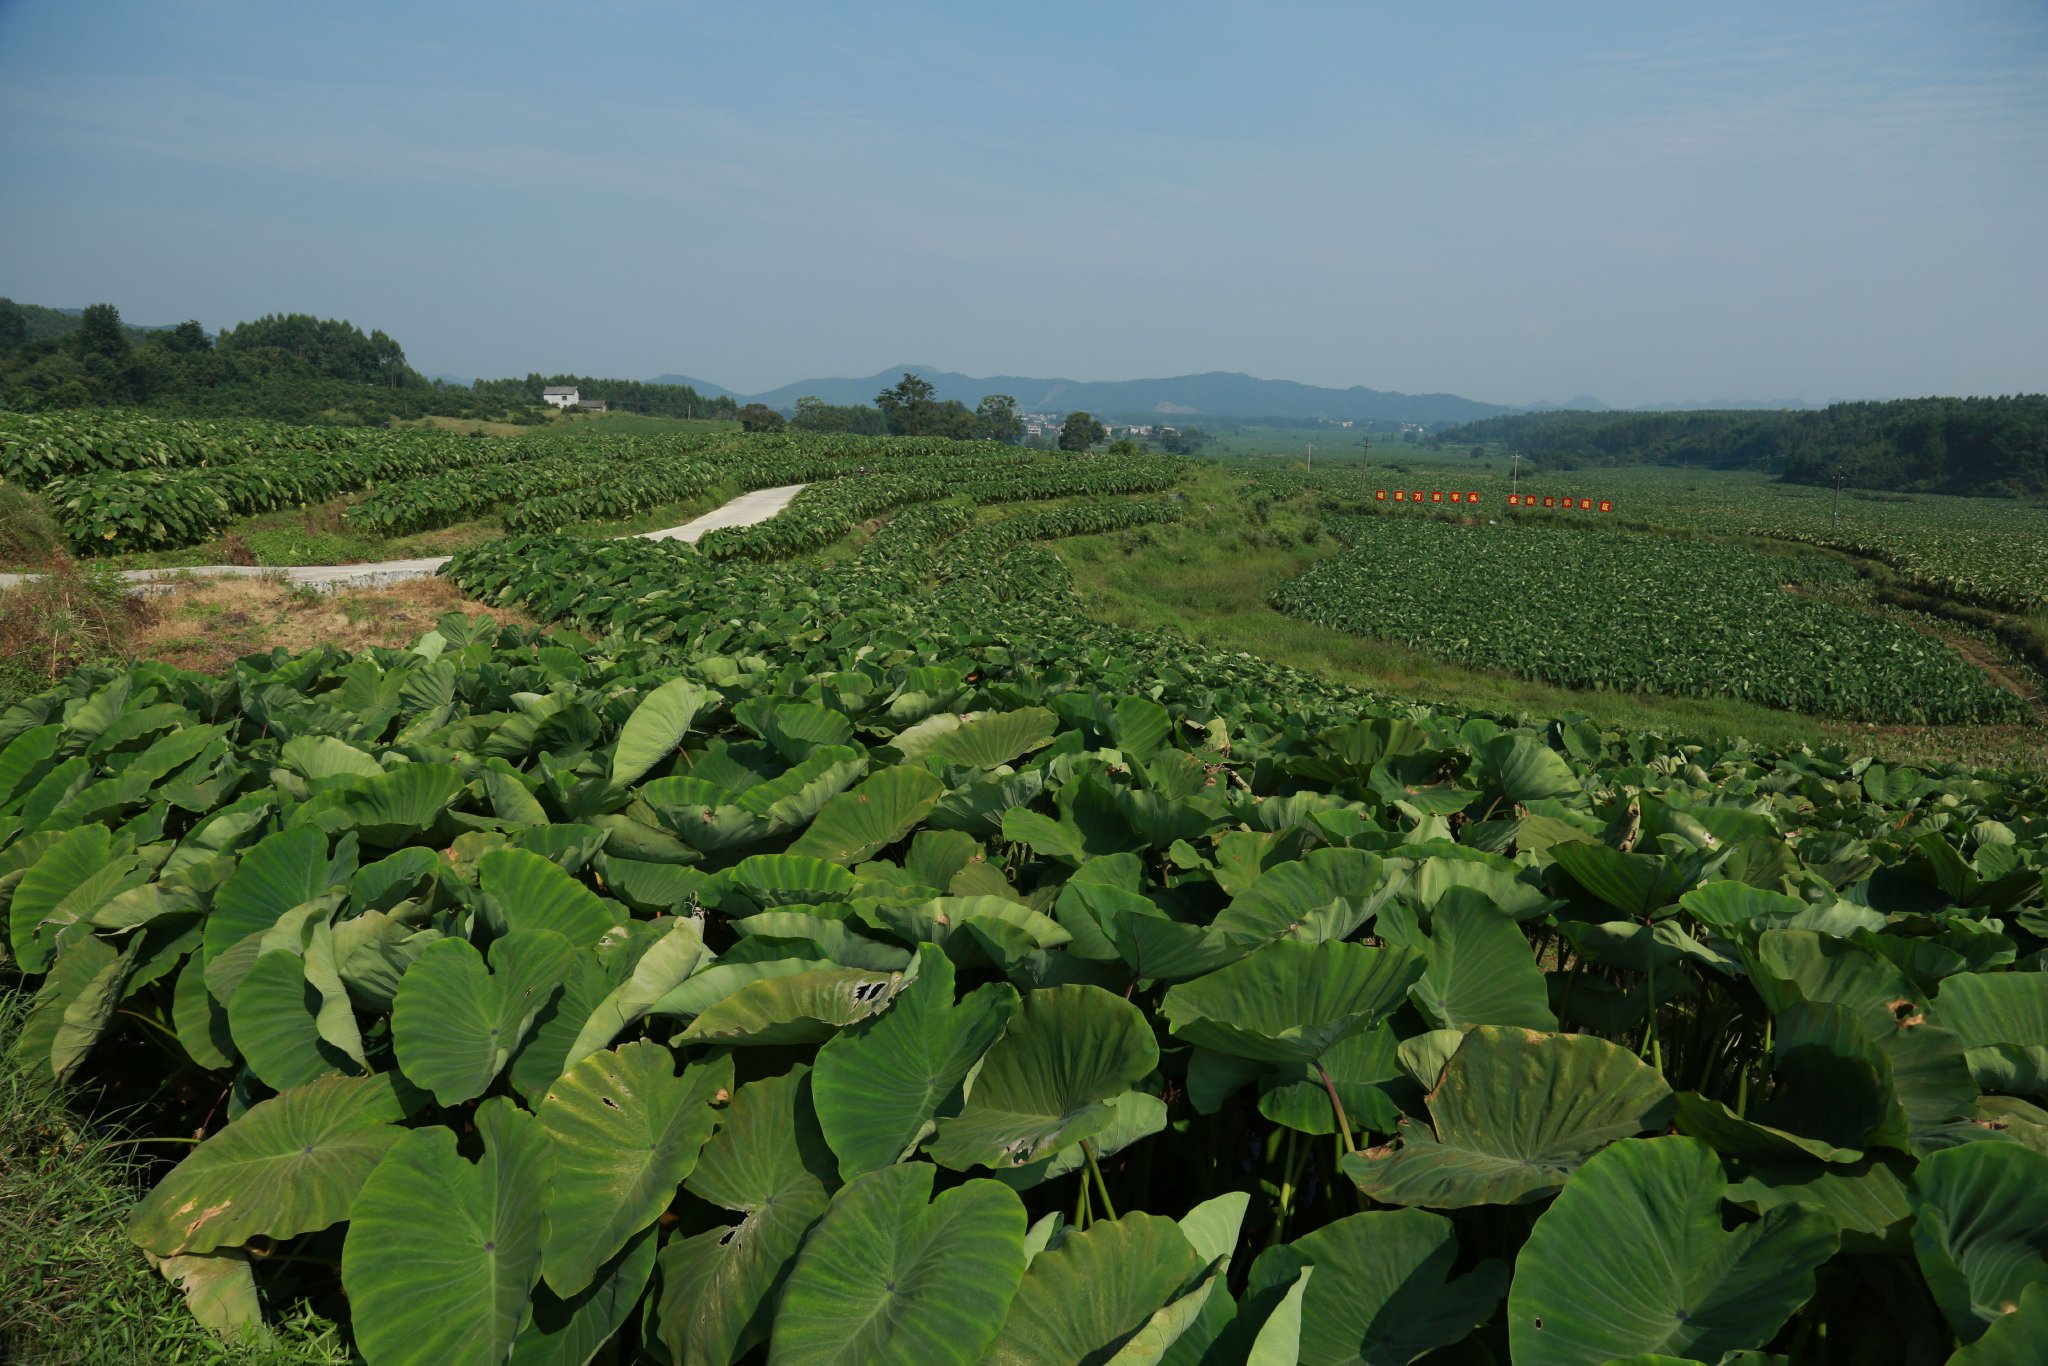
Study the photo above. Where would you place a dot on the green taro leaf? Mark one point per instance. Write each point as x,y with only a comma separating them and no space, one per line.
802,1007
979,740
532,892
73,878
1082,1300
274,1019
626,1131
656,728
570,1332
1328,895
1513,1115
1481,970
890,1277
1044,1085
401,805
666,965
1980,1231
1634,1256
292,1164
769,1163
1383,1293
441,1255
1291,1001
455,1023
883,809
880,1084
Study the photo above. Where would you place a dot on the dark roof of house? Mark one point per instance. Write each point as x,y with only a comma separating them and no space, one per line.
558,389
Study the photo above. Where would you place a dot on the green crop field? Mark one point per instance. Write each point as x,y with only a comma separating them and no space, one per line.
1640,613
832,943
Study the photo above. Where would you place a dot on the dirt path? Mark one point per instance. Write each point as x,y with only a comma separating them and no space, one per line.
744,510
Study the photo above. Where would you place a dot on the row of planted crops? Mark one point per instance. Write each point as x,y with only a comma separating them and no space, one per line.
121,482
1608,610
880,961
1992,552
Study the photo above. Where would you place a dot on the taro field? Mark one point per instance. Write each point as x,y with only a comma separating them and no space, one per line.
1614,610
774,957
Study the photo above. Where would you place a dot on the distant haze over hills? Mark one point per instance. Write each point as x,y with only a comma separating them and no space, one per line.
1217,394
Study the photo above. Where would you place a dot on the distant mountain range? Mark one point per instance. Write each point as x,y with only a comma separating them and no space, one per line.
1218,394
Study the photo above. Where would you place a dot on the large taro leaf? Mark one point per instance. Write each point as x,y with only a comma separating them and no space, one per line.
1635,1256
1930,1074
1634,884
398,807
1383,1293
220,1291
441,1255
656,728
276,1021
1513,1115
1519,770
1327,895
1481,970
1068,1050
1296,1094
1868,1200
201,1021
1134,1116
793,728
2015,1340
1080,1301
283,871
78,874
802,1007
880,1084
570,1332
292,1164
76,1003
1980,1230
1291,1001
527,891
626,1131
858,823
455,1023
768,1163
890,1277
2002,1020
666,965
980,740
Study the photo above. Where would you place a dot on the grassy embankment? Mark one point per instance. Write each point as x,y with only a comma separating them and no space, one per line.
1209,576
77,1292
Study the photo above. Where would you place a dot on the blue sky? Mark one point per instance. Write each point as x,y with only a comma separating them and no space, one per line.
1646,202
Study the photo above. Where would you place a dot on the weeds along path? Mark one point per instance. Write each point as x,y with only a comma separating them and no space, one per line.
744,510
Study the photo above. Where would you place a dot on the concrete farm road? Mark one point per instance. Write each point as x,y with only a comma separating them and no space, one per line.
744,510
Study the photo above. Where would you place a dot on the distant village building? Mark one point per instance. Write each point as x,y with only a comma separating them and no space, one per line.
568,396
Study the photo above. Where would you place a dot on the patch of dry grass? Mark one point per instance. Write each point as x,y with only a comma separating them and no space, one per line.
205,625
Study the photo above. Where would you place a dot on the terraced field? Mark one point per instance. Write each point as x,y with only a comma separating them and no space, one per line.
1608,610
868,956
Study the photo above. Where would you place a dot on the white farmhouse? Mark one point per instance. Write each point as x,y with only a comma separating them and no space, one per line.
561,395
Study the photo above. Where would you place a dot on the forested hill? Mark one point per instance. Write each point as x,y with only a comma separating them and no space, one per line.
1988,446
292,367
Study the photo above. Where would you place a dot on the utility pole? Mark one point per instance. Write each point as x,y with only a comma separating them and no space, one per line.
1365,452
1837,523
1311,457
1515,475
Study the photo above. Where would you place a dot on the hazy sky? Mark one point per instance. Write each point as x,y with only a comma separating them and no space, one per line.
1642,201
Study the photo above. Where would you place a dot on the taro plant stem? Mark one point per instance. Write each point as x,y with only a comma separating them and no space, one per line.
1094,1170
